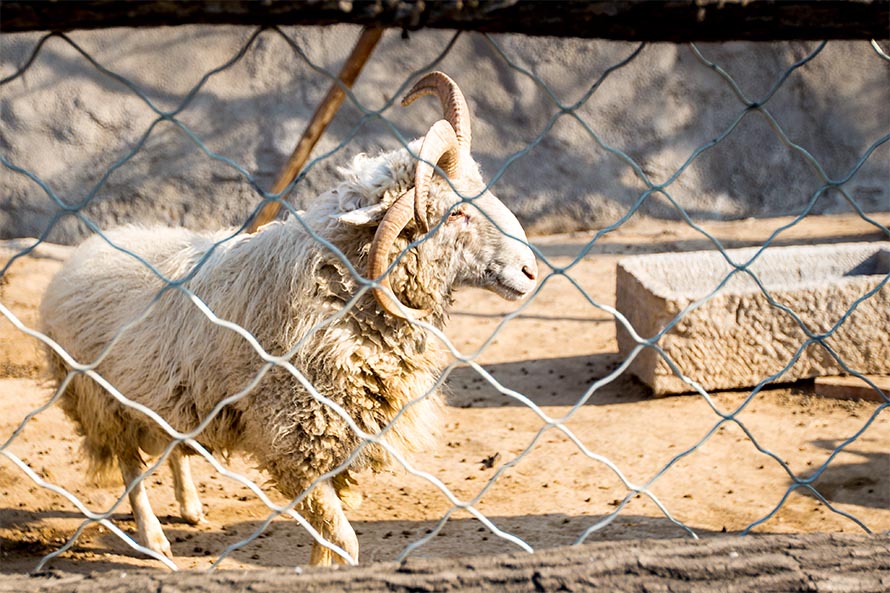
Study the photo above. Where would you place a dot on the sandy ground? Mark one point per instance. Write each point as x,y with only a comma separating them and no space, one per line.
552,352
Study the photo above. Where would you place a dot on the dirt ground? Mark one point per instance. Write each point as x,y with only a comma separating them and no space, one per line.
775,563
552,352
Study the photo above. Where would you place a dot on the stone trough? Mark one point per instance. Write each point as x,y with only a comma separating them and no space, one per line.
737,338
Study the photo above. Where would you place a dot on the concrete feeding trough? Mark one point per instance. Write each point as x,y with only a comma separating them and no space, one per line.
736,338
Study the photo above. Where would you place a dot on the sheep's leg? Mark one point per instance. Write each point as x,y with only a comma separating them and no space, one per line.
323,509
184,487
147,525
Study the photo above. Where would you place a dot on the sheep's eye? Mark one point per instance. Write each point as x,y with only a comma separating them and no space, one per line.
456,216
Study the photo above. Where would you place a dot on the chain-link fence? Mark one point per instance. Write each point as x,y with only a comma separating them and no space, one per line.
551,271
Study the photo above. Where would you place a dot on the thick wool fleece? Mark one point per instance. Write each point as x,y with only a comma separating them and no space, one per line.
285,288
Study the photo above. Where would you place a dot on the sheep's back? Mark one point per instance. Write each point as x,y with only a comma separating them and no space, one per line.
100,288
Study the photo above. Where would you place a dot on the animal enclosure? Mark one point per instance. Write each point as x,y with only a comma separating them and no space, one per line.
547,438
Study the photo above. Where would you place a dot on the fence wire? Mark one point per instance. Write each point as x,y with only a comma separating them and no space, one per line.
747,108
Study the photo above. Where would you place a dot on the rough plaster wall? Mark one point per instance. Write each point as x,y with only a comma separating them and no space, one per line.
737,338
68,124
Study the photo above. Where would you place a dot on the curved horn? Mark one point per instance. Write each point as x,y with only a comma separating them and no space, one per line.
397,218
454,106
440,147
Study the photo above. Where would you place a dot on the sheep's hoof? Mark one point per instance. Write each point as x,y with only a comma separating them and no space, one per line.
154,540
323,556
191,515
158,543
319,556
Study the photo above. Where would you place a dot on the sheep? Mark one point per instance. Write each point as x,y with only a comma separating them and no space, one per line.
287,289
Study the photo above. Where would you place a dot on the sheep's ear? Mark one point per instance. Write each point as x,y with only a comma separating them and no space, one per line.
367,216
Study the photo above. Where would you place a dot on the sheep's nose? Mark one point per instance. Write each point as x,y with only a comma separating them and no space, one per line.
531,272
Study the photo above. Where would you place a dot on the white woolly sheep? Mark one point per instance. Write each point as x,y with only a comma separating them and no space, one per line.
278,284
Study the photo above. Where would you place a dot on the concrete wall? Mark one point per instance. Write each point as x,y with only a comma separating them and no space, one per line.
68,124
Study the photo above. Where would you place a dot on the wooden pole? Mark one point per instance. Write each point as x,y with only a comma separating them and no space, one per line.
631,20
323,115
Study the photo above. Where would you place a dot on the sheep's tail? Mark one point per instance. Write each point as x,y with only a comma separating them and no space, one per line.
98,452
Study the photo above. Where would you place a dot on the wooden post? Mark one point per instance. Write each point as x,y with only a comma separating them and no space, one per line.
323,115
631,20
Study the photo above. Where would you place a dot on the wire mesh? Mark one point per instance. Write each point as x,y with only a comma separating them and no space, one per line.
746,108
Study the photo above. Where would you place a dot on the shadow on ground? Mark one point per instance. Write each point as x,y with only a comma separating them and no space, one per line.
284,543
866,483
547,382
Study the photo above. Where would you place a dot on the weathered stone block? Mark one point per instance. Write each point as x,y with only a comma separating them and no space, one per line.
736,338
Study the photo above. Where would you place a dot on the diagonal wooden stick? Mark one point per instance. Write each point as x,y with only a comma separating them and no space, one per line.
323,115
